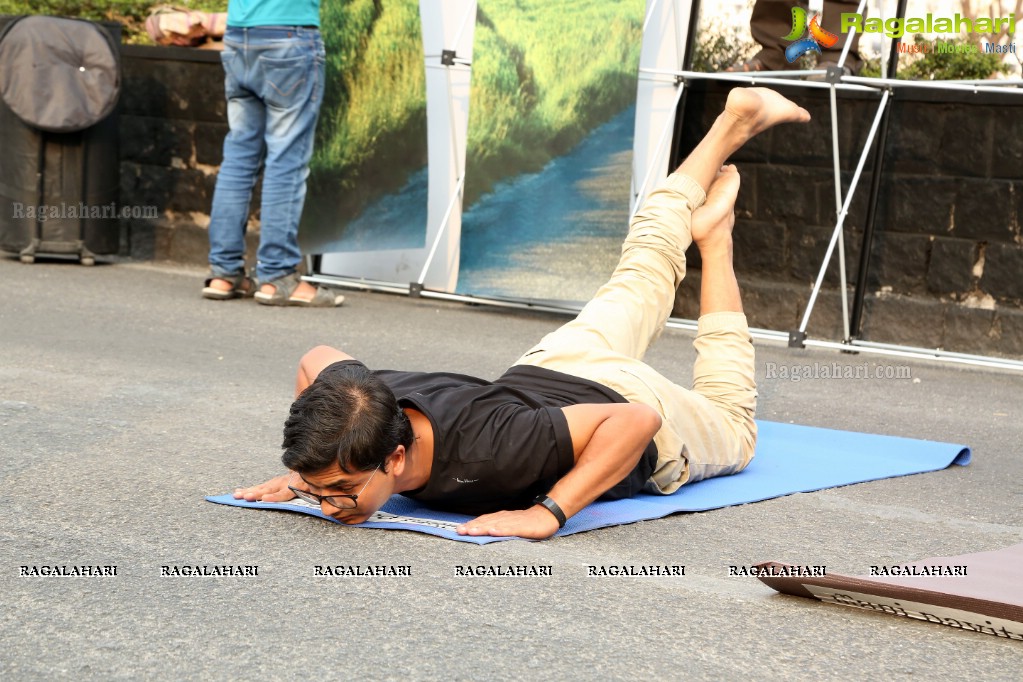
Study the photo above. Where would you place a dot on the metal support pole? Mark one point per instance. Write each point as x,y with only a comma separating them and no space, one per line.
797,337
838,213
440,232
856,322
843,290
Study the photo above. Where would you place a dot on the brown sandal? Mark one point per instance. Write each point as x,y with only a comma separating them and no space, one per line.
284,290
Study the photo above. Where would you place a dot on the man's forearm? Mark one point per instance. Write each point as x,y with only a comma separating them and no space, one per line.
608,440
611,453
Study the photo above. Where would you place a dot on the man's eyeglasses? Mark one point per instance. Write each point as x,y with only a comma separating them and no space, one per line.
339,501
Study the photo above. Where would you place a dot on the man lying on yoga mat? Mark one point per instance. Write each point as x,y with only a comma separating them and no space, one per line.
579,416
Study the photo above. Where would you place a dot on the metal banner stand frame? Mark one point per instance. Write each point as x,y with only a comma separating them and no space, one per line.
447,32
834,80
668,29
448,75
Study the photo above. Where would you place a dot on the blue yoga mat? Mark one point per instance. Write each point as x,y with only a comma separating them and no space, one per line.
789,459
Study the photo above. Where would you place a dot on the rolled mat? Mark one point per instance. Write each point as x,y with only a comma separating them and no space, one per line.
789,459
980,592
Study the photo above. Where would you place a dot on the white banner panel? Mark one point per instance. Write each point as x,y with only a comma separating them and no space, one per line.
665,35
447,27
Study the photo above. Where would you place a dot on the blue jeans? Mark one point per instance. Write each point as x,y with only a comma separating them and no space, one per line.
274,86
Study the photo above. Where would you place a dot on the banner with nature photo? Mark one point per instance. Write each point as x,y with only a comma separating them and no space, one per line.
549,143
367,183
549,149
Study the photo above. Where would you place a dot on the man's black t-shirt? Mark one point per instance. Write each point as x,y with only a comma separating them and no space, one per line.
497,445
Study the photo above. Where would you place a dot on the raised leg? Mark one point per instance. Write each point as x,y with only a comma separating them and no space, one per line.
629,312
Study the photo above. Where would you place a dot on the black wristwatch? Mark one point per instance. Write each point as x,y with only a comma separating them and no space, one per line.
553,508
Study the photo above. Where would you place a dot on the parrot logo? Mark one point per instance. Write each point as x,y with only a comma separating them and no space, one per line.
816,39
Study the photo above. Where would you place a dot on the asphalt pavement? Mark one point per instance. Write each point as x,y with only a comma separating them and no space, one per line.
125,399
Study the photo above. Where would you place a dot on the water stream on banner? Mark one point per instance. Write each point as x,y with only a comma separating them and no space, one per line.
554,234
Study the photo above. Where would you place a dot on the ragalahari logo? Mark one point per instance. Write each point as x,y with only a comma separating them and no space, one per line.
813,42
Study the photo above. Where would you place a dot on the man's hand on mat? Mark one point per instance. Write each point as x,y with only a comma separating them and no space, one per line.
535,523
274,490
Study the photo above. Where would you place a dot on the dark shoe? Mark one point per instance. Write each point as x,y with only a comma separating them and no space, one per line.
241,287
753,64
757,63
284,289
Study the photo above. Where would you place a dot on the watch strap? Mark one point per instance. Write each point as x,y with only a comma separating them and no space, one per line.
553,508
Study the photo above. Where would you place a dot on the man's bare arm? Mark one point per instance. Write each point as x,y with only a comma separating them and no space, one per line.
314,362
608,440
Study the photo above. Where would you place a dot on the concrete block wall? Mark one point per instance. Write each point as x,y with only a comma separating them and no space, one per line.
946,263
173,123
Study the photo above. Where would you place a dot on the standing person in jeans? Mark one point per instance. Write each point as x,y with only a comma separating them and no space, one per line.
274,71
771,21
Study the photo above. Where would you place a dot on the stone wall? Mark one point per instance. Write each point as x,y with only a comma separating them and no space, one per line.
946,264
173,122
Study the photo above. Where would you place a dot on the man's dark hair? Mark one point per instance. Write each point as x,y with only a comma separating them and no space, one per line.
347,416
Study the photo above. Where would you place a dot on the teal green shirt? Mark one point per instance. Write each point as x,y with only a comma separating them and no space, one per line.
249,13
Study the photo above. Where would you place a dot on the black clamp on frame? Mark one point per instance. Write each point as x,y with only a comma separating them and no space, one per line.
447,57
797,338
415,289
834,74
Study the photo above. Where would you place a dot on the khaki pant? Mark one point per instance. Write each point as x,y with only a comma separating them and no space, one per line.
707,431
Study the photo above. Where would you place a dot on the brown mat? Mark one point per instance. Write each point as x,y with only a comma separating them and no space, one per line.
982,592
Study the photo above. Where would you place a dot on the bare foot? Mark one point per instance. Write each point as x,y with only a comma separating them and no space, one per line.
754,110
222,288
712,223
748,111
221,284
